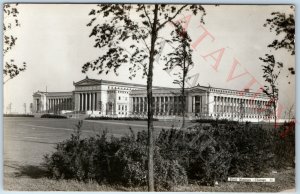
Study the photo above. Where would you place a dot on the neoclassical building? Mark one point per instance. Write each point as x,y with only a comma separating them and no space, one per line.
110,98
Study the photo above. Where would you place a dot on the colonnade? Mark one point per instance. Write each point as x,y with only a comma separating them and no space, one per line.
61,103
163,105
87,101
240,106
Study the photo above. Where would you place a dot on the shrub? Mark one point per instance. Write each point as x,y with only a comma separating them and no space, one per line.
17,115
51,116
219,121
212,153
115,161
204,154
205,159
285,145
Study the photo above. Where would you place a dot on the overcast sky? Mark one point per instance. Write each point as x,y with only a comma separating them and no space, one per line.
54,42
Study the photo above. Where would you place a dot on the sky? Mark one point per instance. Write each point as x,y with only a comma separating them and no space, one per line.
53,40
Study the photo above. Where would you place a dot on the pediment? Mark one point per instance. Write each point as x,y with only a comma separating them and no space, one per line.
87,82
198,89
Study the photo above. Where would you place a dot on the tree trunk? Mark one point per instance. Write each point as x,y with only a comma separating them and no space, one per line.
275,114
150,104
183,85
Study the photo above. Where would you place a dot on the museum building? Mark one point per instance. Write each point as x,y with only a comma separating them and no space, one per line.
95,97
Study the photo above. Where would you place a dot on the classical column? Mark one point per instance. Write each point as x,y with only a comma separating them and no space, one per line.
66,103
165,106
133,105
52,104
154,105
63,104
138,104
79,102
85,101
82,102
173,105
90,102
143,105
95,101
159,105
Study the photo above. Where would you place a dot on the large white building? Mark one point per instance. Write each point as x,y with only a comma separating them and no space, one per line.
110,98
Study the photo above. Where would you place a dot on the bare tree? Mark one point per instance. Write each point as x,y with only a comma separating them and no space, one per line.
129,34
271,71
181,57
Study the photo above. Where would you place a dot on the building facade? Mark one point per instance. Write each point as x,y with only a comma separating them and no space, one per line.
109,98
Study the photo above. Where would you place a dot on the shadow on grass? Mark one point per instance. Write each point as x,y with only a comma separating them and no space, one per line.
31,171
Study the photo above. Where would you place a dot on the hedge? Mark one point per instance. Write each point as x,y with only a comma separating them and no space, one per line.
119,118
17,115
51,116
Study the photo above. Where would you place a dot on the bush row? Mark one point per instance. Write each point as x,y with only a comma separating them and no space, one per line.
219,121
204,154
17,115
52,116
119,118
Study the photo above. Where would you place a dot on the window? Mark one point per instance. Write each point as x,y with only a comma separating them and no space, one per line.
119,97
119,107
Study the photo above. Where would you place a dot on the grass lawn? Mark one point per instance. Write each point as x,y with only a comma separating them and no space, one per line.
15,182
26,140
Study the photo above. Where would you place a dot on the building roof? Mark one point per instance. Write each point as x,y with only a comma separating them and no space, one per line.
50,94
97,81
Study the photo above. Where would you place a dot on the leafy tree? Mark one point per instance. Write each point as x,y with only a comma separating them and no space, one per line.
181,57
271,71
284,26
10,69
128,34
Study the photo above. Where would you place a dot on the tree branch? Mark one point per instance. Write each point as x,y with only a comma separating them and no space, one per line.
147,16
171,18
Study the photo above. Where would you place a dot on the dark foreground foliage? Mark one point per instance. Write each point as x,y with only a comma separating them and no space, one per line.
51,116
119,118
204,154
17,115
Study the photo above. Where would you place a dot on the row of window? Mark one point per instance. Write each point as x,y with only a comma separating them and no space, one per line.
120,88
245,116
238,100
157,99
122,107
120,92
